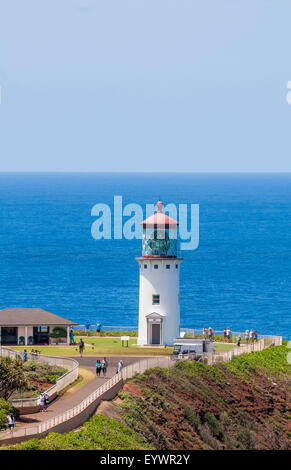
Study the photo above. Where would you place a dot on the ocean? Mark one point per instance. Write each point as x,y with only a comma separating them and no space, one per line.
239,276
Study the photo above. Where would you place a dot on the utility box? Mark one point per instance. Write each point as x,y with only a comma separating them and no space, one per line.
186,346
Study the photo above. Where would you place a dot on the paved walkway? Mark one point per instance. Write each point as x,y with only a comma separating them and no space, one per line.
66,402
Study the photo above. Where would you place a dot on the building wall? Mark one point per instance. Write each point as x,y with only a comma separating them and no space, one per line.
164,282
21,331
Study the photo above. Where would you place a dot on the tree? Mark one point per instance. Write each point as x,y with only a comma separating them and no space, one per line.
58,332
11,376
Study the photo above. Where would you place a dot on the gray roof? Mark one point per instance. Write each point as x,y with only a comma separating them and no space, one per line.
31,317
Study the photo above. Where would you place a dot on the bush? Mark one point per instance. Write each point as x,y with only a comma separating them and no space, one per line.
114,333
12,377
58,333
100,433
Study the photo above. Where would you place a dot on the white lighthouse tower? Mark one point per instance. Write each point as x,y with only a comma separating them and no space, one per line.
159,268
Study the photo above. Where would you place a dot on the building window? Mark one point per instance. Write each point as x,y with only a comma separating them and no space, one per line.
156,266
145,266
167,266
156,299
176,266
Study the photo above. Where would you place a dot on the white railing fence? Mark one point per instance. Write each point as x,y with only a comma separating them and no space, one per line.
128,372
226,356
66,379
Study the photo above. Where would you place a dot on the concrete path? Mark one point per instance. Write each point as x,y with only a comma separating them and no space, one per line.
66,402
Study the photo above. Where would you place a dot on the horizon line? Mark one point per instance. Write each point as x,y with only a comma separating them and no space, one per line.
139,172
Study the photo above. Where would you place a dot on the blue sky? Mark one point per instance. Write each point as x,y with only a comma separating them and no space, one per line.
145,85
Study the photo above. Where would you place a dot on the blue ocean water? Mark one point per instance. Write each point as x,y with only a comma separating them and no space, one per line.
238,277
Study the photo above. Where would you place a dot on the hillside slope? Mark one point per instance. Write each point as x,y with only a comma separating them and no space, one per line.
241,405
244,404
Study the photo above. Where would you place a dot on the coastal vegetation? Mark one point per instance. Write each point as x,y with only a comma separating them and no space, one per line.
243,404
238,405
20,379
100,432
12,377
38,377
110,333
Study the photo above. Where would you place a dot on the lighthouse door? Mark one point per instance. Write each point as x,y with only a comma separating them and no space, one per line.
156,333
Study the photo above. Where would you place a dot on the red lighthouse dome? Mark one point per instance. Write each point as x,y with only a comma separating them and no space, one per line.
159,219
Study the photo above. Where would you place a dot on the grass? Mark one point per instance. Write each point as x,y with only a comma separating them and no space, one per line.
111,347
100,346
85,376
219,347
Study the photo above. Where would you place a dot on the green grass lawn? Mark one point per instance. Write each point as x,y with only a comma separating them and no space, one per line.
95,346
100,346
220,347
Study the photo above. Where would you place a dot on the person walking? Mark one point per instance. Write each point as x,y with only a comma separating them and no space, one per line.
251,336
11,423
24,355
46,401
256,336
247,335
72,338
238,341
227,334
87,326
104,365
41,402
98,367
98,328
210,333
204,332
120,366
224,334
81,347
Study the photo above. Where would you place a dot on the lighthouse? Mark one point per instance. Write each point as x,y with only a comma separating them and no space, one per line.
159,272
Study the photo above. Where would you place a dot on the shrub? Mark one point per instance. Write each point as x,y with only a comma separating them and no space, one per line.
58,332
11,377
98,433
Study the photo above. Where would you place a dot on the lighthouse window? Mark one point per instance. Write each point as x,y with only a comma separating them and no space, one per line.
167,266
156,299
176,266
156,266
145,266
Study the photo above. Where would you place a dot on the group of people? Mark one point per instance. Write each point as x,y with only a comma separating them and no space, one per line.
33,353
250,336
43,404
43,401
98,328
101,366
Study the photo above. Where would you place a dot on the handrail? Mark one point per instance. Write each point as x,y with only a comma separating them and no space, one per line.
127,372
67,378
